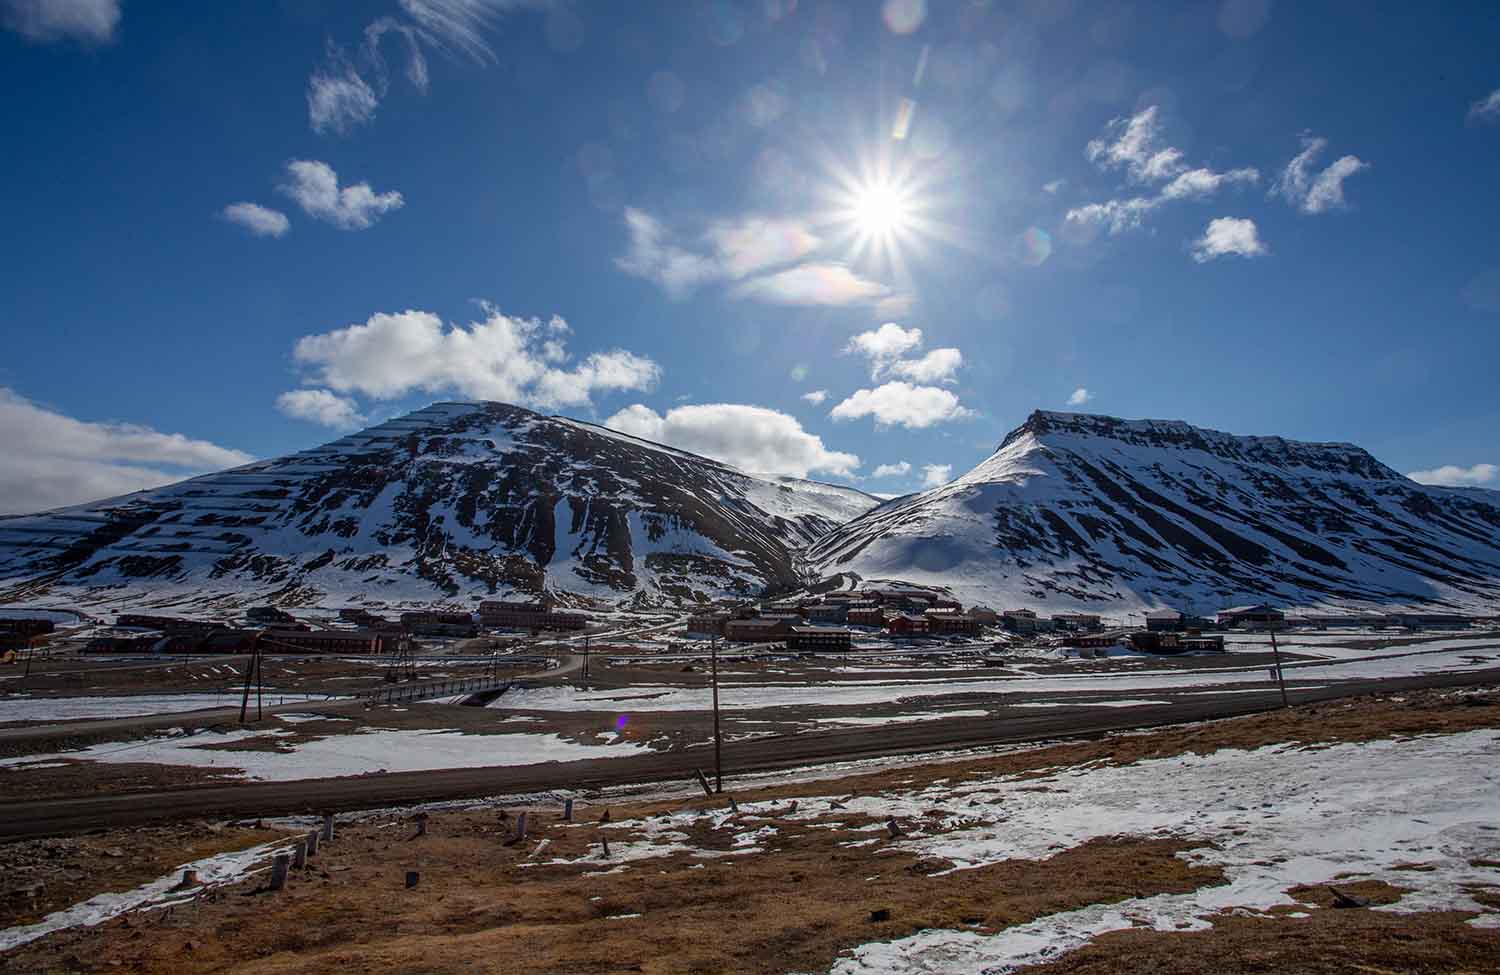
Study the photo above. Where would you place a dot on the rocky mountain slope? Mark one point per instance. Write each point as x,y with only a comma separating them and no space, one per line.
455,501
1080,511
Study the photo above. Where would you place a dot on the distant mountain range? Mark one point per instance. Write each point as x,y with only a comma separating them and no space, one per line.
1076,511
461,500
451,502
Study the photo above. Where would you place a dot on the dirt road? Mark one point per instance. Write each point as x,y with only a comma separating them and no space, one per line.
255,799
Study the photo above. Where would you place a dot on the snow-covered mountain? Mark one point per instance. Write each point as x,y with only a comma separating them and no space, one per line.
452,502
1076,511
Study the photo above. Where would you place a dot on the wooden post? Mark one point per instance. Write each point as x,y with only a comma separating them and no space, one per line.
299,854
421,819
733,805
279,868
412,878
718,738
521,826
1280,677
703,781
605,840
312,842
328,827
567,810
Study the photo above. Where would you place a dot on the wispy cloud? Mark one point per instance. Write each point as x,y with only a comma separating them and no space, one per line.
747,250
1453,475
1135,144
818,283
936,475
1486,109
1229,235
1315,193
752,438
338,96
816,397
315,187
902,404
345,92
1054,185
517,360
899,469
54,460
321,407
1079,397
887,346
260,221
85,21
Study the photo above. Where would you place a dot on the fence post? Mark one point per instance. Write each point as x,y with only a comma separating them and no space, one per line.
328,827
279,867
299,854
567,810
312,843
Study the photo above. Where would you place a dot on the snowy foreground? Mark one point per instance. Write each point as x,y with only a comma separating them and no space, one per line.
1277,817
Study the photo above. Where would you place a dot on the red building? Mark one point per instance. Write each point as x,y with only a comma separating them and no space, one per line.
906,624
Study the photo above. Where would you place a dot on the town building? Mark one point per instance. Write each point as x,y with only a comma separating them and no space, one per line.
948,623
1023,621
537,615
333,641
756,630
865,616
708,624
26,627
1098,640
167,624
818,639
1164,621
908,625
1255,617
985,615
1168,642
834,612
269,614
1076,622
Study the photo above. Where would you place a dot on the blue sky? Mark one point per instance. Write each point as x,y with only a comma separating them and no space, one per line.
235,230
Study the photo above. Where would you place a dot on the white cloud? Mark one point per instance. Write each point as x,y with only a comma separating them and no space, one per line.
86,21
53,460
260,221
755,243
885,344
338,96
885,347
1320,193
751,438
322,407
936,475
1079,397
1486,109
937,366
902,404
459,26
1229,235
1135,145
1054,186
736,250
515,360
315,187
816,284
899,469
652,256
816,397
1451,475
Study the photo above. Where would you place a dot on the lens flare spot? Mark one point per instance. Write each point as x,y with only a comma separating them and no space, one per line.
621,722
1036,246
904,16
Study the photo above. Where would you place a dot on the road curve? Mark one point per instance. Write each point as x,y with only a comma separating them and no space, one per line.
256,799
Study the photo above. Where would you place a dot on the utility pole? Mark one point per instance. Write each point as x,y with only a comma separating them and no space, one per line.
585,658
1280,677
252,671
718,738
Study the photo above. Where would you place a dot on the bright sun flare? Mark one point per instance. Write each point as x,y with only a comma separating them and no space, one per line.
880,210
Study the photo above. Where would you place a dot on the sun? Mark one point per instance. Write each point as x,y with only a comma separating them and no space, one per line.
881,210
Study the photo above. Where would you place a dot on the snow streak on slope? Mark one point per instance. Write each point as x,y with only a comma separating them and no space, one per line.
1074,511
456,500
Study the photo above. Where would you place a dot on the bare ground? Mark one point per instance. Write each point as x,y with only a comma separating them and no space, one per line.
794,905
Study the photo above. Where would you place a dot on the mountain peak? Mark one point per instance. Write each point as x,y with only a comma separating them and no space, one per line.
1062,430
